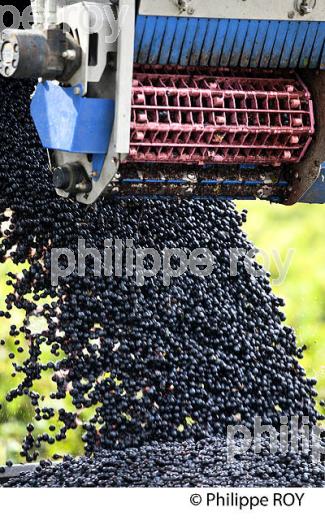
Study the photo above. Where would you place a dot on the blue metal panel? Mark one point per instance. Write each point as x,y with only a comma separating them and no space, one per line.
299,42
269,44
318,46
178,42
279,44
229,43
167,44
308,45
223,42
198,41
208,42
148,35
249,43
288,45
157,40
188,41
139,30
98,163
322,61
72,123
316,194
239,43
219,42
259,43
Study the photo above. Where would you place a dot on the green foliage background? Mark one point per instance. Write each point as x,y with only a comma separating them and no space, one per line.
300,228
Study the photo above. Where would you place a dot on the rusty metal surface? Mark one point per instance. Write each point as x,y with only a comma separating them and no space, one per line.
303,175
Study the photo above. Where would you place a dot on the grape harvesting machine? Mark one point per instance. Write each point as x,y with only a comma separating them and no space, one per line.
177,98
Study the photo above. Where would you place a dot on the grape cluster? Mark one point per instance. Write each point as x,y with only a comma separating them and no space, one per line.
147,363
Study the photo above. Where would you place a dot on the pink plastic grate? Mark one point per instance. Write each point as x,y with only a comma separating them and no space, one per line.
201,119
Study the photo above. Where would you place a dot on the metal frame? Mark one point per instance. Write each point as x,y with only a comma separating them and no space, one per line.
235,9
307,172
119,145
109,171
124,75
79,18
72,14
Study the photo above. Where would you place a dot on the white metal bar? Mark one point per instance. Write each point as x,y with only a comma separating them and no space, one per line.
38,7
124,75
50,13
234,9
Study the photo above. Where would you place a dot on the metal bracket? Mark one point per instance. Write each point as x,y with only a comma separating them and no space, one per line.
109,170
316,193
69,16
82,19
120,143
305,173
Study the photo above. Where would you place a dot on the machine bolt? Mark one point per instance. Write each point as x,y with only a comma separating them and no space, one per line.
291,14
305,6
183,6
69,54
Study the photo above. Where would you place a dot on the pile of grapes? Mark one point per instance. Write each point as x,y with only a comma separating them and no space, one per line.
161,371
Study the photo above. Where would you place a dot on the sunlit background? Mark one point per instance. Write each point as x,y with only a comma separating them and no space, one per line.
271,228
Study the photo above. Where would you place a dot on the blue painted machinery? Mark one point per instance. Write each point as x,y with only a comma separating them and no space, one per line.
178,98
